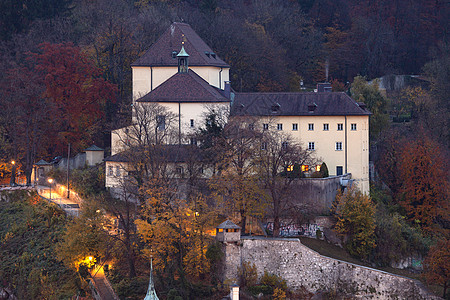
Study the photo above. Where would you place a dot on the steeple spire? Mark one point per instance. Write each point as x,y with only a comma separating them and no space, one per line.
183,59
151,293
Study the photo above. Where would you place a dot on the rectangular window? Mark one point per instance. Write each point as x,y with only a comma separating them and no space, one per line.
338,146
305,168
340,127
310,126
353,126
326,127
279,126
192,123
284,145
193,141
265,126
179,170
117,171
311,146
161,122
263,146
294,126
339,170
251,127
111,171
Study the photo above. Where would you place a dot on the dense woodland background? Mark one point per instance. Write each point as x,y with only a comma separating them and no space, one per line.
66,78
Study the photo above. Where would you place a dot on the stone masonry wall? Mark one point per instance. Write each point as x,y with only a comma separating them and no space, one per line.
301,266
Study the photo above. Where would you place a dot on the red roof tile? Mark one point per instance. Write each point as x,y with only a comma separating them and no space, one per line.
160,53
184,87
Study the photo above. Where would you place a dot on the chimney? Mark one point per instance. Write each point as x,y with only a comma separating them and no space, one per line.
227,89
324,87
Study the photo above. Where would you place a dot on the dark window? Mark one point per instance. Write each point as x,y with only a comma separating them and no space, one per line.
279,126
294,126
265,126
161,122
339,170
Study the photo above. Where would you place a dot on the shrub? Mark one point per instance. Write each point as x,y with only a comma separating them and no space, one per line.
273,281
247,274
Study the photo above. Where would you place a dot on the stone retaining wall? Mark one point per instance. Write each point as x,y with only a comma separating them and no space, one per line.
303,267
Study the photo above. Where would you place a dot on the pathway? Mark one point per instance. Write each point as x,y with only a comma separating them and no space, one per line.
102,285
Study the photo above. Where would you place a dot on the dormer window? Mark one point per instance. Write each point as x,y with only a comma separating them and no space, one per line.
312,107
213,55
275,108
207,53
174,54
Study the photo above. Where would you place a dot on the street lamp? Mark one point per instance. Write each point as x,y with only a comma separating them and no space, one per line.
50,180
13,174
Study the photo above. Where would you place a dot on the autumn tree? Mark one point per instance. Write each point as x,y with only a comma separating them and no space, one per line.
355,213
279,153
237,187
84,237
76,92
437,265
24,118
176,233
423,172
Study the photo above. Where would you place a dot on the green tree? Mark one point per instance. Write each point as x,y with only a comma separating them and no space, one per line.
355,213
370,94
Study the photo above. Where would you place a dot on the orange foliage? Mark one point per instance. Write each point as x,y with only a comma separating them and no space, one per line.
424,181
437,265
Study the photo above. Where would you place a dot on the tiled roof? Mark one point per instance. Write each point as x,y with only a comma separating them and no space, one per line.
228,225
184,87
93,148
296,104
160,53
42,163
171,153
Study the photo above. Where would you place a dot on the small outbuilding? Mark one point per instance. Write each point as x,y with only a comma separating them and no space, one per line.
228,232
94,155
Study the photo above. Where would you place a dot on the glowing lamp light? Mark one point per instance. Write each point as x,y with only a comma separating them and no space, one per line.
90,258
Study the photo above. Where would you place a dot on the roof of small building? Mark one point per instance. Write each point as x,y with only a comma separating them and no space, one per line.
161,52
184,87
228,225
94,148
42,163
171,154
296,104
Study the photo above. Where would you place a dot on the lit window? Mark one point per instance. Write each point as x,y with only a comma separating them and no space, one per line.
279,126
265,126
161,122
326,127
192,122
263,146
310,126
340,127
305,168
311,146
318,168
338,146
290,168
353,126
294,126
